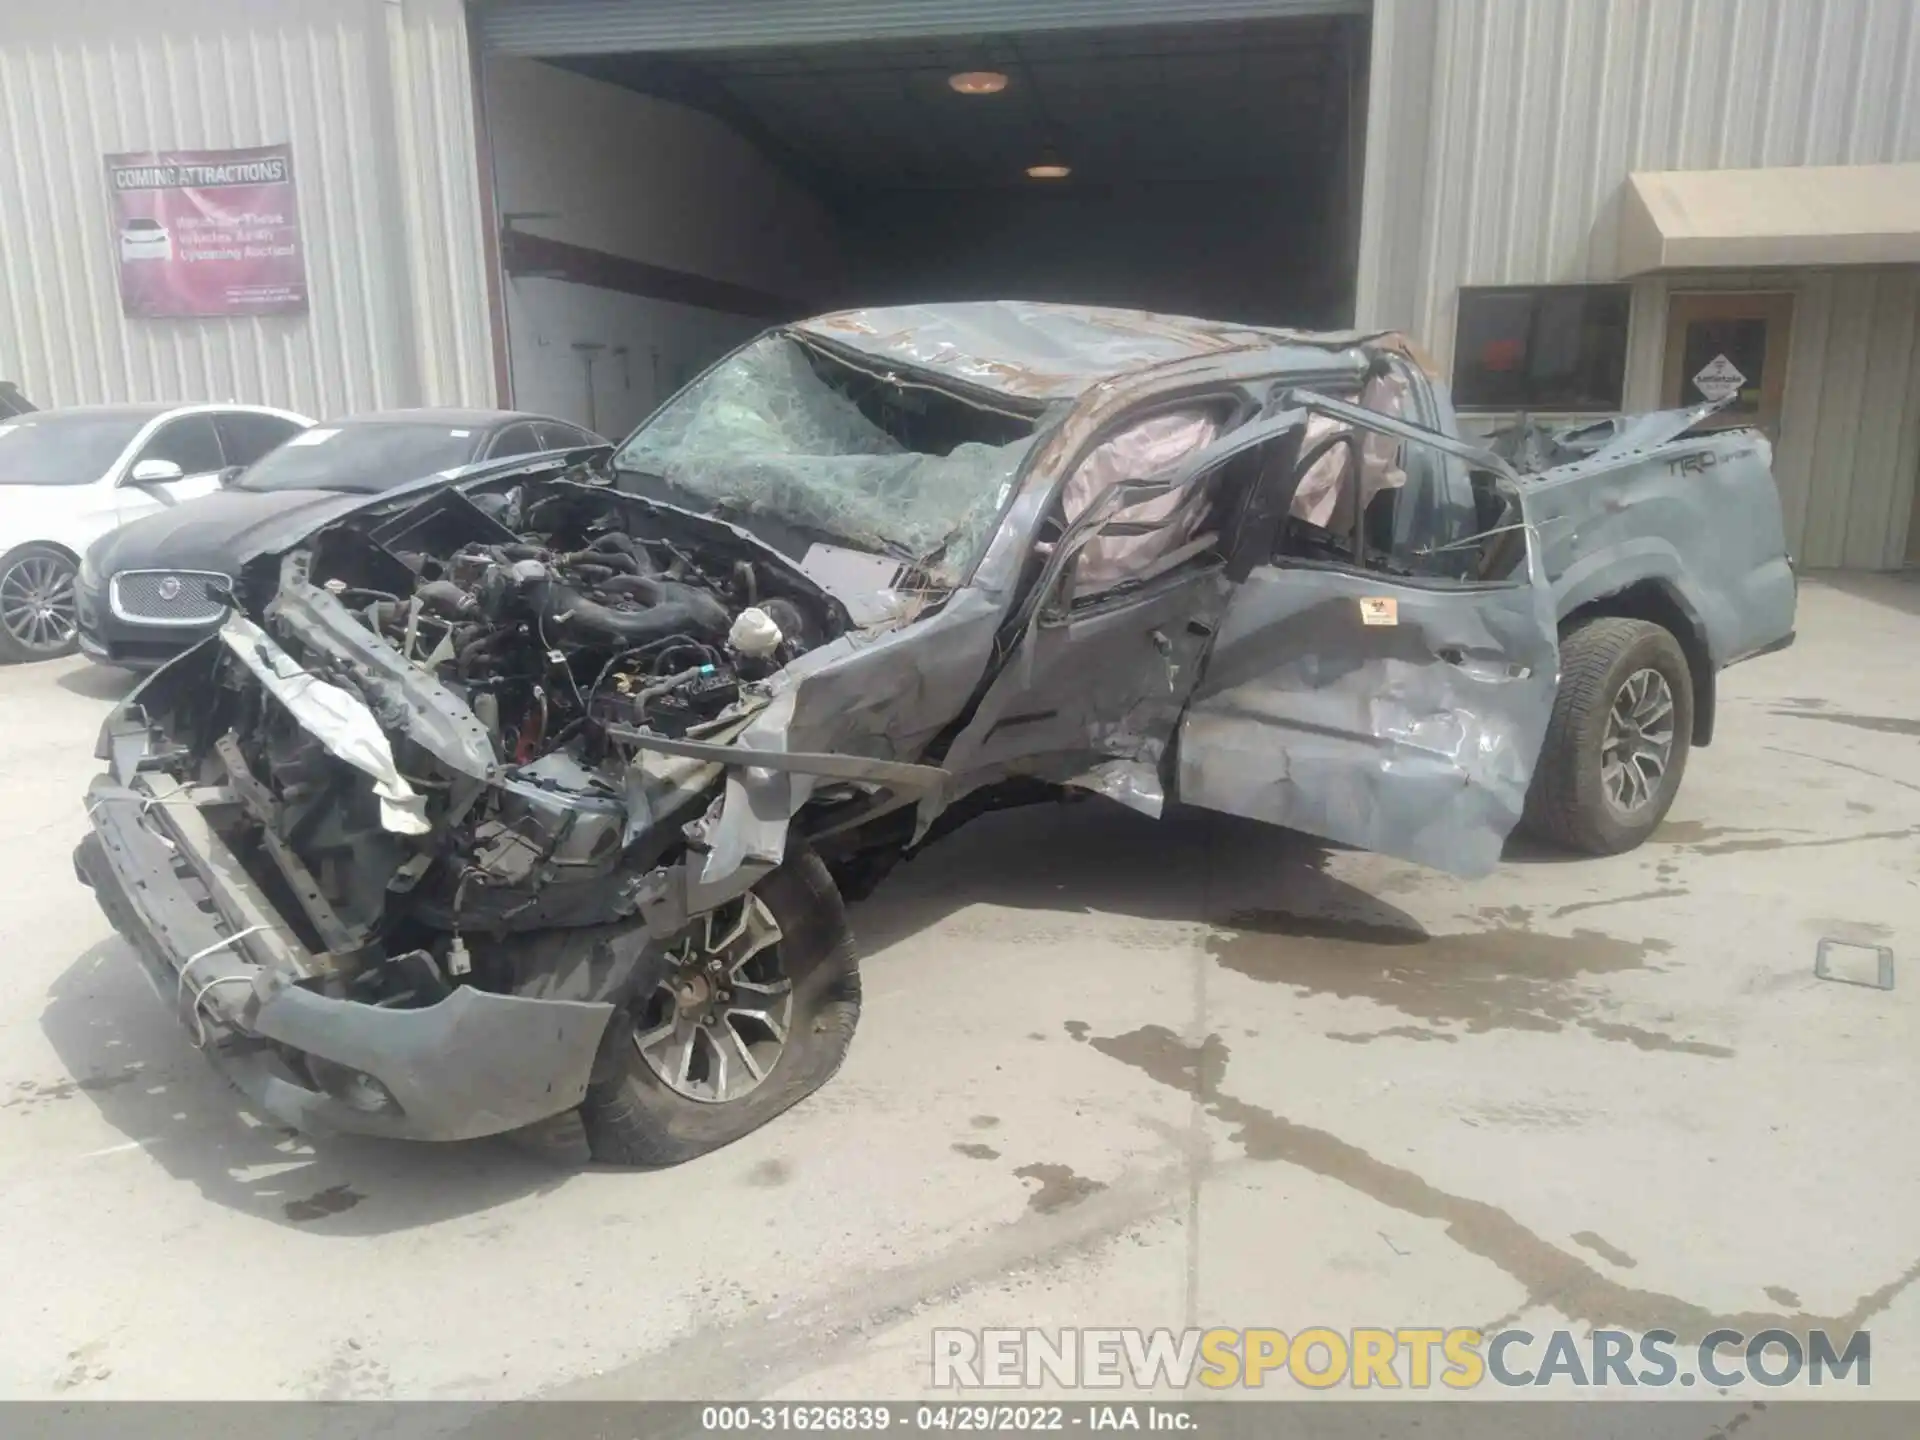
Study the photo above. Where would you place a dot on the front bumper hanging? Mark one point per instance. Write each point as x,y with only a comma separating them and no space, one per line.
475,1063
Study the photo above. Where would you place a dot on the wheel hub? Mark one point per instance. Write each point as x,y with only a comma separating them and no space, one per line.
1638,745
716,1024
36,603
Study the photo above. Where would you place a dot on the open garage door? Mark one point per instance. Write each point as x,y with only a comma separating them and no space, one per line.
671,176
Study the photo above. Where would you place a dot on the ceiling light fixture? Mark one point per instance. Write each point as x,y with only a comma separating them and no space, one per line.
1049,166
978,82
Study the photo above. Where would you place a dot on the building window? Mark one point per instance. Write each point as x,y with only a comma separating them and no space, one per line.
1543,347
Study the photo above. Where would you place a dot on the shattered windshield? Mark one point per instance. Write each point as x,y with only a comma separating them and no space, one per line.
786,433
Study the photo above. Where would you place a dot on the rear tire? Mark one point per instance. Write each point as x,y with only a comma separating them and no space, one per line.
634,1116
1624,710
37,619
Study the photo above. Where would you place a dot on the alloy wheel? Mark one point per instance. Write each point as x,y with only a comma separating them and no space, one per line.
36,603
717,1023
1638,745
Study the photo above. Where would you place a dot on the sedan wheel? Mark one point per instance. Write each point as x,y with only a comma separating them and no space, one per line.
36,605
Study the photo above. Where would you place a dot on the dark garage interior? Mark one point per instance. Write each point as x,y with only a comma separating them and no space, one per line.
1213,167
658,203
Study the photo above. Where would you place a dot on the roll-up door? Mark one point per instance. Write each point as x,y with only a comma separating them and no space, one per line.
586,27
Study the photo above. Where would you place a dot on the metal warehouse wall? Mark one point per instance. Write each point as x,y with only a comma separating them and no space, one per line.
1500,135
375,98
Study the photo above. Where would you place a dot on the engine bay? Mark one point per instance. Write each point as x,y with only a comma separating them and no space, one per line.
563,620
576,618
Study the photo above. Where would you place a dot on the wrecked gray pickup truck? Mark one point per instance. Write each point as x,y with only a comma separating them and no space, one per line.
541,794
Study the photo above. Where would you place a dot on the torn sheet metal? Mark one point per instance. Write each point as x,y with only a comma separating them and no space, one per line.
1056,352
1415,739
435,720
1532,447
335,717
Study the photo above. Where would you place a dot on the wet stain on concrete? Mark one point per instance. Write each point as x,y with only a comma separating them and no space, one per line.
1879,724
1507,977
1078,1029
769,1173
1859,807
1781,1295
984,1122
1059,1187
31,1095
1612,1254
1548,1275
1738,847
1643,1039
1805,702
1668,893
1691,832
1392,1032
978,1152
334,1200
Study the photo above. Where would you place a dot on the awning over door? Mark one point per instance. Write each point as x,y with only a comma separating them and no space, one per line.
1759,219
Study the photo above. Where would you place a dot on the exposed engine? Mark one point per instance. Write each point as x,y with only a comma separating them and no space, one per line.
567,632
573,623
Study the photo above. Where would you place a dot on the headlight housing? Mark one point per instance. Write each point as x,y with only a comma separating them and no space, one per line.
88,577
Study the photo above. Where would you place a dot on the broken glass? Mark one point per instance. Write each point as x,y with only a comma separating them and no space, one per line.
765,435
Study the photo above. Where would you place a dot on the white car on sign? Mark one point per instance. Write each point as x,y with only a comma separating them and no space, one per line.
143,238
67,477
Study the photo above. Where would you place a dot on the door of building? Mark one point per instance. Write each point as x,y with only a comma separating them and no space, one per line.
1730,342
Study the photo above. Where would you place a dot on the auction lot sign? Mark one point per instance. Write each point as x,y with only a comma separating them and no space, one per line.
207,232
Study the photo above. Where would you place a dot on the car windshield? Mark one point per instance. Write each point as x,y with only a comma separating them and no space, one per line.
783,435
48,448
361,459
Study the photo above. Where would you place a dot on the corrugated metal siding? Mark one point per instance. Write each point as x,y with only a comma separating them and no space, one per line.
580,27
433,86
1512,125
1849,450
115,75
1858,446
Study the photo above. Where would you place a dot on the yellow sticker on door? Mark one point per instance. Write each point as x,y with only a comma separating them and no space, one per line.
1379,610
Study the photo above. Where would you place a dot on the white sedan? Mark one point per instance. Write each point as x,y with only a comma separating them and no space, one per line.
67,477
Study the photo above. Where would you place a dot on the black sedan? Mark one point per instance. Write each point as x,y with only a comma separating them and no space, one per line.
152,588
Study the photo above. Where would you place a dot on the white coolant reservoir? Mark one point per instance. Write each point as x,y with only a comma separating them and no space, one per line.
754,634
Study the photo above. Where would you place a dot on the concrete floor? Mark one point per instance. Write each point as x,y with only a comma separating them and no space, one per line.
1578,1092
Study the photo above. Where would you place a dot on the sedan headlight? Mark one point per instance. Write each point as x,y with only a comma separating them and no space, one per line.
88,578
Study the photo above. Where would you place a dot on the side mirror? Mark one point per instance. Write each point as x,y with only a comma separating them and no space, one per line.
154,472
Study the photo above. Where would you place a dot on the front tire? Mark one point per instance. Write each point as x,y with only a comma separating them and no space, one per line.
745,1015
1617,744
37,620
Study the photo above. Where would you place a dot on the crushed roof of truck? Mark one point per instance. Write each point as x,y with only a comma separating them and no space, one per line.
1041,351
